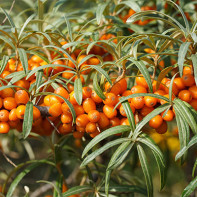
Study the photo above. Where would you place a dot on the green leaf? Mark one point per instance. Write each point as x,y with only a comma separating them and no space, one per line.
99,12
142,67
28,119
194,61
146,171
7,41
190,188
23,58
97,88
20,177
69,28
99,151
102,71
9,18
39,76
181,55
131,4
78,90
105,134
129,114
77,190
4,62
186,114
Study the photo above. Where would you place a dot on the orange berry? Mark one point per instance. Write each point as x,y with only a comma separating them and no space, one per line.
150,101
169,115
65,128
188,80
188,70
4,127
175,90
109,111
123,85
167,96
163,83
4,115
88,105
179,83
21,97
103,121
141,81
124,121
62,92
127,93
154,84
36,113
185,95
116,88
138,89
23,84
114,122
80,58
58,68
122,111
67,74
95,97
162,128
156,122
92,135
20,111
72,98
80,129
138,102
65,108
78,109
55,110
193,90
70,87
66,118
1,102
8,92
193,103
78,135
86,91
93,61
47,100
146,110
82,120
91,127
36,59
93,116
12,115
9,103
53,99
111,99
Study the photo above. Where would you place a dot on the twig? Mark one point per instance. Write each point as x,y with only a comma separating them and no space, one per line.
8,12
8,160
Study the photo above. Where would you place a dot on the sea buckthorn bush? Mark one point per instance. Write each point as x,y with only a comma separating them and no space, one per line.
98,98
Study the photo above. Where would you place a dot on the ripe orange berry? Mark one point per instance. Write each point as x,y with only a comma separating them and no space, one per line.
114,122
78,135
65,108
23,84
111,99
80,129
53,99
4,115
138,89
193,103
109,111
62,92
47,100
127,93
67,74
188,70
4,127
9,103
91,127
21,97
95,97
146,110
175,90
55,110
82,120
80,58
103,121
185,95
36,113
150,101
65,128
116,88
154,84
160,92
163,83
188,80
70,87
140,80
58,68
78,109
179,83
123,85
93,116
122,111
167,96
72,98
169,116
86,91
66,118
92,135
124,121
20,111
156,122
36,59
8,92
162,128
138,102
88,105
193,90
93,61
12,115
1,102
